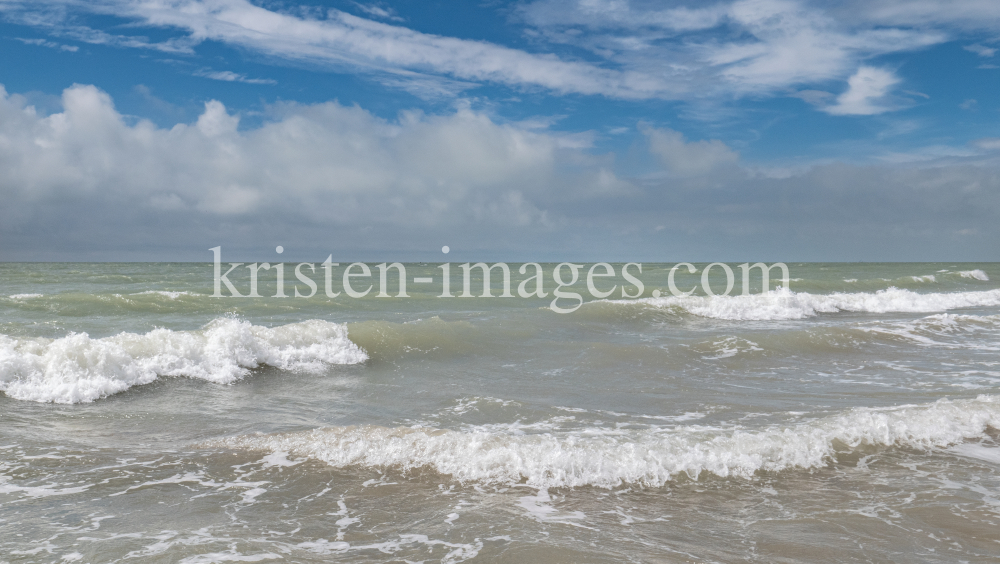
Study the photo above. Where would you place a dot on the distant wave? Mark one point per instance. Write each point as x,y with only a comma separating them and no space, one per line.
611,457
77,368
787,304
165,293
977,274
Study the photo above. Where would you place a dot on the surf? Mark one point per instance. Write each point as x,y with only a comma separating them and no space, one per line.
77,368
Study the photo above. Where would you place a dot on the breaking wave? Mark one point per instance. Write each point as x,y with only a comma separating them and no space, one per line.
787,304
77,368
613,457
975,274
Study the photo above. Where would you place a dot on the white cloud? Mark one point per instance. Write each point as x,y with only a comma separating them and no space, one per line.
611,14
215,121
85,183
344,40
744,47
230,76
379,12
645,50
54,17
49,44
425,86
319,163
796,44
987,143
970,104
688,158
980,50
963,14
866,93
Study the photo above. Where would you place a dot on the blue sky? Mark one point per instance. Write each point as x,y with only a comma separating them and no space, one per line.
550,129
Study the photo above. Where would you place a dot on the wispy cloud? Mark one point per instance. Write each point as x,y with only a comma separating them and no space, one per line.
341,40
741,47
634,50
229,76
49,44
380,12
979,15
981,50
55,17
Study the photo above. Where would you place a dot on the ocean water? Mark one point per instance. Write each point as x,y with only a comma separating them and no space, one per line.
851,417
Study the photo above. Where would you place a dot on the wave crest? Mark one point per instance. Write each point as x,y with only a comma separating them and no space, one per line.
77,368
786,304
974,274
609,458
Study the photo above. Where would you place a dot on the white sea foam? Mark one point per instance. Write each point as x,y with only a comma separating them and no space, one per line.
730,347
977,451
24,296
77,368
165,293
611,457
786,304
927,278
948,330
976,274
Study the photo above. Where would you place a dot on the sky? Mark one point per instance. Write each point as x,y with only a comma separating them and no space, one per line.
549,130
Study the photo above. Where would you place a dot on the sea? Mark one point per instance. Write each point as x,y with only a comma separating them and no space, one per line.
852,415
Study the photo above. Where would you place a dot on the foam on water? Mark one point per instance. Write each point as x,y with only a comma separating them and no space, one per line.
611,457
945,330
976,274
165,293
77,368
787,304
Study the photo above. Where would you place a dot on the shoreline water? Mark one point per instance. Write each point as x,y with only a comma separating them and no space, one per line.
142,419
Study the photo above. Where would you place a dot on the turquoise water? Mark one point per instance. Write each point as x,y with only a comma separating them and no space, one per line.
144,420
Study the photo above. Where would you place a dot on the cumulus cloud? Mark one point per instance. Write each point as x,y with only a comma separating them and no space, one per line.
323,164
686,158
87,183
